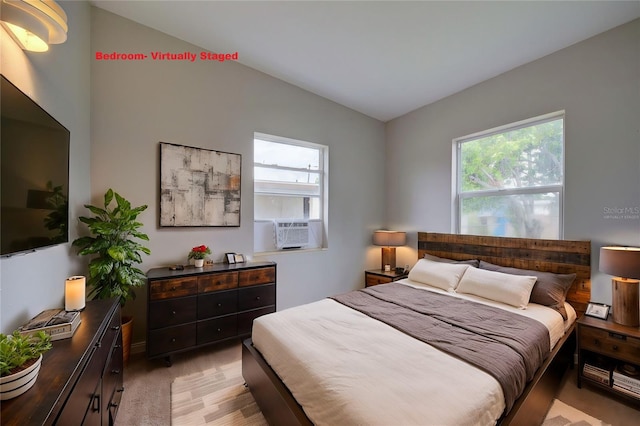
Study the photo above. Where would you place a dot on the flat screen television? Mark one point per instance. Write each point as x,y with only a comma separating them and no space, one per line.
34,175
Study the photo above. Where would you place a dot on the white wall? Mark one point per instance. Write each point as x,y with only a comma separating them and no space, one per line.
213,105
58,80
596,81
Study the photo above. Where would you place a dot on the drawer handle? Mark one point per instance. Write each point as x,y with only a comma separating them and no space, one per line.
257,297
115,327
173,288
113,404
115,371
596,342
96,403
173,313
173,340
219,305
219,330
615,347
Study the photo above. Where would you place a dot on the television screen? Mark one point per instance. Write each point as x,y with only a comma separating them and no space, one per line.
34,175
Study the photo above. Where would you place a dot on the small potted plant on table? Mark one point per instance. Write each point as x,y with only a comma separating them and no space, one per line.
198,254
20,359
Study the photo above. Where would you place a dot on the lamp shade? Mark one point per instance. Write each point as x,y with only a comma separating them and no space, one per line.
34,24
623,262
389,238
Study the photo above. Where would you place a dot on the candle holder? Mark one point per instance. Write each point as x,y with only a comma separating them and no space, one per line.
74,293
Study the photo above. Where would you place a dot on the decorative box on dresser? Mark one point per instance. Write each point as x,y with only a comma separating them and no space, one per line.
606,345
80,380
195,307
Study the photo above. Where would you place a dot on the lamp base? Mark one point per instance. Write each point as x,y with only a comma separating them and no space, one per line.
626,303
388,258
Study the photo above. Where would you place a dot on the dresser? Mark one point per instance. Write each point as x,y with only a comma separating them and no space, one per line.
195,307
80,380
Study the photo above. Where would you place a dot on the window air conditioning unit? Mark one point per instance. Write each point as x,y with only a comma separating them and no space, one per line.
291,233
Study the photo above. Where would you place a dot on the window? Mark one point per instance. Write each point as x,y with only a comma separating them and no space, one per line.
510,180
289,184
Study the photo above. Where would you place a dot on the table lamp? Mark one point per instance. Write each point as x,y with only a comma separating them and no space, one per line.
624,264
389,240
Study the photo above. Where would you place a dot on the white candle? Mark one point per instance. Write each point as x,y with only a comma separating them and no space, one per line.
74,293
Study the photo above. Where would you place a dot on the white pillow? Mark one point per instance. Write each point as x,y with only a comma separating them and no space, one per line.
437,274
505,288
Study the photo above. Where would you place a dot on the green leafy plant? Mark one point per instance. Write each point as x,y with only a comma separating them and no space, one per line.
17,350
199,252
111,270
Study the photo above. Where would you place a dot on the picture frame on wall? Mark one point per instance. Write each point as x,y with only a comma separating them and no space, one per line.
231,258
597,310
199,187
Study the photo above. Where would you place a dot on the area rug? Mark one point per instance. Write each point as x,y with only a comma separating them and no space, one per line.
561,414
214,397
218,397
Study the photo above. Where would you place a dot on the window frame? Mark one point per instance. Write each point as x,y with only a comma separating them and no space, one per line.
459,196
323,179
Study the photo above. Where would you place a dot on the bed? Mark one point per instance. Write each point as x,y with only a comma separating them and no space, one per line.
346,365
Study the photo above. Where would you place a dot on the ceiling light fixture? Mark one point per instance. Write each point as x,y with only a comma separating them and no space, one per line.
34,24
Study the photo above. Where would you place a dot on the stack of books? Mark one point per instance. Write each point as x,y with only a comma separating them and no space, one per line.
626,379
598,369
57,323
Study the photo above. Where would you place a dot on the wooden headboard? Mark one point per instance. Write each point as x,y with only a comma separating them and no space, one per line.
558,256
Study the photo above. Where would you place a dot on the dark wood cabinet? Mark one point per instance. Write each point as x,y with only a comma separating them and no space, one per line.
607,345
201,306
80,381
379,276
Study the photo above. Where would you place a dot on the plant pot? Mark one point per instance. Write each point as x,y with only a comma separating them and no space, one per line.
20,382
198,263
127,332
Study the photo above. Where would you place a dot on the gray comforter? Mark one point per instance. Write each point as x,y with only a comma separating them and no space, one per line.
508,346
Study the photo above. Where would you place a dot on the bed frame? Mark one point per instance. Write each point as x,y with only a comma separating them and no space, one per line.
559,256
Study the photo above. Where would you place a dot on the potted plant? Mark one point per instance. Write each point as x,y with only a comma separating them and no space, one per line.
198,254
112,270
20,359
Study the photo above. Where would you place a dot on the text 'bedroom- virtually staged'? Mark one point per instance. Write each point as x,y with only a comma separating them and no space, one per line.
319,213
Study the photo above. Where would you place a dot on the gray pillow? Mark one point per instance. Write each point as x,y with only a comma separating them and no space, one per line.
549,290
472,262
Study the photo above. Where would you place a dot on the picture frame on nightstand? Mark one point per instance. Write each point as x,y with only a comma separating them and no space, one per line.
598,310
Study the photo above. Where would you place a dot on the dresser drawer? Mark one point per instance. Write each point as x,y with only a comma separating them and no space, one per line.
376,279
256,297
257,276
218,303
215,282
217,329
170,312
171,339
177,287
245,319
610,343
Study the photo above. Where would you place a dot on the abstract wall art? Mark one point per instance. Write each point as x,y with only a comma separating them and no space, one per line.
199,187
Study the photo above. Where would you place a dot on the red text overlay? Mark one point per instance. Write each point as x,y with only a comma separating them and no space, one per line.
166,56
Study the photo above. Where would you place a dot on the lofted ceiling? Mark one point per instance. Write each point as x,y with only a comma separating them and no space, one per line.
381,58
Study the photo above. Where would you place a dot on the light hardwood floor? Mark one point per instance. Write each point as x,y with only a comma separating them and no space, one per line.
147,396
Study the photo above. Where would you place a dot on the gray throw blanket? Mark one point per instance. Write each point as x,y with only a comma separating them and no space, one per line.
508,346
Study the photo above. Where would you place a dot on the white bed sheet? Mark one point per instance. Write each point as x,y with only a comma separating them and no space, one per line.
346,368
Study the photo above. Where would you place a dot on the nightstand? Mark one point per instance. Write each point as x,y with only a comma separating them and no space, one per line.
605,345
378,276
